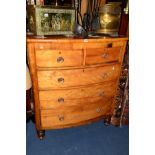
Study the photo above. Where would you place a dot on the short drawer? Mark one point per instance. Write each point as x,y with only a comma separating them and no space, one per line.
79,96
103,44
59,58
74,115
102,55
56,79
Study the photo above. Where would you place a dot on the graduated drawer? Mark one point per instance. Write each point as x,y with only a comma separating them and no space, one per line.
58,58
76,77
102,55
74,115
78,96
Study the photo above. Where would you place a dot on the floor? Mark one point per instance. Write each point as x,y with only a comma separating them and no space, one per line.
92,139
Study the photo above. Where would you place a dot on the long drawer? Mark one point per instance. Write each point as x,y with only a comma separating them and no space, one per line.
54,79
75,114
78,96
59,58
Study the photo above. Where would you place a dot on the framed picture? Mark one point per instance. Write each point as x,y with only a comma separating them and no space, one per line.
45,20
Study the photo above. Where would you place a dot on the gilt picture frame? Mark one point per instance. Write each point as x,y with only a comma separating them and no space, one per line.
52,21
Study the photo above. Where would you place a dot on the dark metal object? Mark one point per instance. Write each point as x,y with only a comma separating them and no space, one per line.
78,29
86,23
96,18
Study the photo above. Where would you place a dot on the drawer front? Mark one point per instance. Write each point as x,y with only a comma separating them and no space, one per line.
74,115
101,45
102,55
59,58
79,96
78,77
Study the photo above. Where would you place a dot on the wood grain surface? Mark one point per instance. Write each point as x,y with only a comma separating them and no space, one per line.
74,80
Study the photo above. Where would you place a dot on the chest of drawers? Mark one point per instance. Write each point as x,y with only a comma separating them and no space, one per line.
74,80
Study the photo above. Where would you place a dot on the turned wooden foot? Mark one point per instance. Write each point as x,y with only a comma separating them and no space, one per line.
41,134
107,121
33,118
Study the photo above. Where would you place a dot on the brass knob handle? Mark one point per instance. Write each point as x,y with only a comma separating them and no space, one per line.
61,118
98,110
41,47
105,55
109,45
113,67
61,80
104,75
60,59
101,93
61,100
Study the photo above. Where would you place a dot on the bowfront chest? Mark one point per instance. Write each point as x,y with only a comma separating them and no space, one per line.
74,80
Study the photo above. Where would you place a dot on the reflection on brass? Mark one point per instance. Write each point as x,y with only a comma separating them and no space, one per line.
109,18
60,59
109,21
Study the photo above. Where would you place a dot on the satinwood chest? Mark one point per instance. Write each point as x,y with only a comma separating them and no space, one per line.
74,80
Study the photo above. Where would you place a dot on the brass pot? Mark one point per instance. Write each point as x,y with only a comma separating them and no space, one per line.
109,18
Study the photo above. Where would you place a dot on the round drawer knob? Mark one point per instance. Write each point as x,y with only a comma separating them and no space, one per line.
98,110
60,59
41,47
61,100
101,93
61,80
104,75
113,67
105,55
61,118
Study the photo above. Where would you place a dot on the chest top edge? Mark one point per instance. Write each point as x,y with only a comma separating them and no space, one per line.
33,39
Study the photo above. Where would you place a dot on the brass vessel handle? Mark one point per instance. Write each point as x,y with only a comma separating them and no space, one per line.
61,100
105,55
61,80
61,118
60,60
